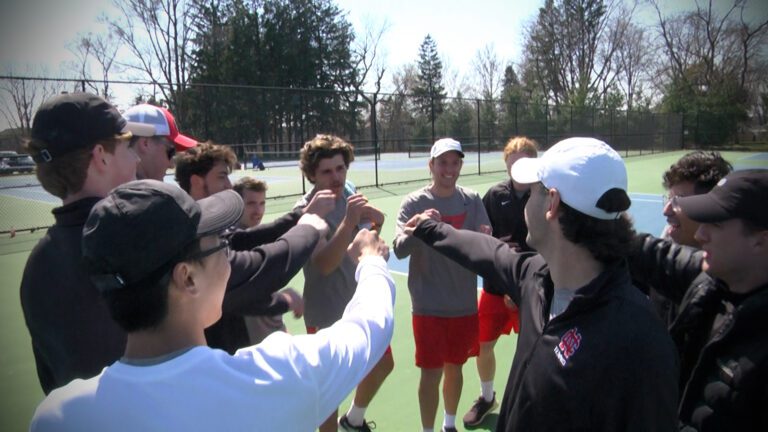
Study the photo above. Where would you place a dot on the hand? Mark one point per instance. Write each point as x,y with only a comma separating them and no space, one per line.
295,301
366,243
315,221
509,303
355,206
413,222
322,203
485,229
374,215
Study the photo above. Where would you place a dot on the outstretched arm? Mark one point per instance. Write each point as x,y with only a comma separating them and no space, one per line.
329,256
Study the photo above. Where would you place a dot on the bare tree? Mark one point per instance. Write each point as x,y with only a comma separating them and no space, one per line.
633,56
489,76
368,62
22,97
159,35
103,49
489,72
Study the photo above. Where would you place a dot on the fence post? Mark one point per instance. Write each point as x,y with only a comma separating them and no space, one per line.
477,106
546,124
432,113
517,130
374,135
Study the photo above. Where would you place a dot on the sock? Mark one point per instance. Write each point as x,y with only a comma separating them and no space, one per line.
486,389
356,415
428,430
449,420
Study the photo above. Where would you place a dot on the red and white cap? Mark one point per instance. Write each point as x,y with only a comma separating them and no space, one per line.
163,122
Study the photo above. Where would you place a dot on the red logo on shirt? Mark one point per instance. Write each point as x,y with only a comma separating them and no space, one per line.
568,345
456,221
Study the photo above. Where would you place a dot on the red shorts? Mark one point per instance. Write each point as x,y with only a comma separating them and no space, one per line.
313,330
495,317
443,340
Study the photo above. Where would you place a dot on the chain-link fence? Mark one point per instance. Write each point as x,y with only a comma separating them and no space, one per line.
392,133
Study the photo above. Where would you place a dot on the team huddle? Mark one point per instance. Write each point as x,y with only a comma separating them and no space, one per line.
153,306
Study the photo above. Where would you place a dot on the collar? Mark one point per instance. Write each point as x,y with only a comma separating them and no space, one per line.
74,213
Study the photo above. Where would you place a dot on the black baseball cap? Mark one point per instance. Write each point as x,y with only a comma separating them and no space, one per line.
143,226
740,194
72,121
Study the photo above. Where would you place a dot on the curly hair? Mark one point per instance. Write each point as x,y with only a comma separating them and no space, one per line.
608,241
199,160
323,147
703,169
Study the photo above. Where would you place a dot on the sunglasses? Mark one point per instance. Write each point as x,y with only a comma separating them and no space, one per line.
223,244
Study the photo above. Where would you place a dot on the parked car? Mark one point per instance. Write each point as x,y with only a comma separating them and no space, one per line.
16,163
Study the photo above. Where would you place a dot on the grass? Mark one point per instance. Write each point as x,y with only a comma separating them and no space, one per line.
396,406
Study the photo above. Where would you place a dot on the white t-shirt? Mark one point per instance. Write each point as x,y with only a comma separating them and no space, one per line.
286,383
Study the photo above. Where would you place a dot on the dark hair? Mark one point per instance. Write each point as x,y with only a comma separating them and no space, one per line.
65,175
607,240
323,147
199,160
251,184
703,169
144,306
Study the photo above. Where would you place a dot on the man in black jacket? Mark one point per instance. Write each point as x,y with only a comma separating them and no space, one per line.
81,145
721,330
263,259
591,355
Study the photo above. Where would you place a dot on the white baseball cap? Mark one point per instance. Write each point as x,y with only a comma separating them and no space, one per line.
163,122
445,145
581,169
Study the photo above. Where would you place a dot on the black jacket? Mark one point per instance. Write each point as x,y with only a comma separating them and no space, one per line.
722,339
263,260
605,364
73,335
505,211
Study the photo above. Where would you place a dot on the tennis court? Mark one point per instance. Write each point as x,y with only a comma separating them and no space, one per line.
396,406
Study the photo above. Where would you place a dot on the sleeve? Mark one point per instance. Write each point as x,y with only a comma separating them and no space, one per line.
480,253
259,272
277,306
403,244
337,358
487,204
481,212
664,265
265,233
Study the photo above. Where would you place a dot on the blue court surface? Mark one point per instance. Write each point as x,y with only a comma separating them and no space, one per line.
645,210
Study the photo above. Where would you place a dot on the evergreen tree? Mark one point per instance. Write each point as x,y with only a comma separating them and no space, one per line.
429,92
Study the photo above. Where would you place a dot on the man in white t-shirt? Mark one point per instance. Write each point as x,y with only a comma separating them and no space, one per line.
164,284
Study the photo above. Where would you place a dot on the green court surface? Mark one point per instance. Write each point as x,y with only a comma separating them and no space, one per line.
396,406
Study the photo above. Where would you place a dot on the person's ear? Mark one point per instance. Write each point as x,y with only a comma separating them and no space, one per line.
196,183
99,156
141,145
183,277
554,204
761,241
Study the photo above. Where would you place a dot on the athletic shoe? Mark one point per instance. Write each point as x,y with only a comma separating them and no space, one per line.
365,427
449,429
480,409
